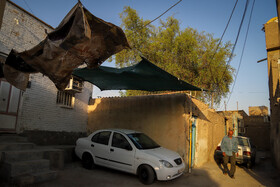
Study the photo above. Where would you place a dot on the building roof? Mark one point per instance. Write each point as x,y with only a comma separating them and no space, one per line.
229,112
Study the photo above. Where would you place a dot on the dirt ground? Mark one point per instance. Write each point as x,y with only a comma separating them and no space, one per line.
210,174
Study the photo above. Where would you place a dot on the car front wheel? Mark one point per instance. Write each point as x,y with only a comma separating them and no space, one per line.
87,161
146,174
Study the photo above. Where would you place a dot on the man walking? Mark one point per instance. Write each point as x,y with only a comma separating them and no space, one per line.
230,151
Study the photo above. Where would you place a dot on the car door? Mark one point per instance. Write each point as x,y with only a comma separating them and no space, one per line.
121,153
100,147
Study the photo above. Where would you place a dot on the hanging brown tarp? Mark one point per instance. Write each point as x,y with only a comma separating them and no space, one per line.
80,38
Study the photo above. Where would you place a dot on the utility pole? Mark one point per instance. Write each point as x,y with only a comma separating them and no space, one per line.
237,105
225,106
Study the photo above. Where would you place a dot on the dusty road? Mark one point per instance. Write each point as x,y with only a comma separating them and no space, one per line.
208,175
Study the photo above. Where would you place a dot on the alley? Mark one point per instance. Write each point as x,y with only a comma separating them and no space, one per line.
208,175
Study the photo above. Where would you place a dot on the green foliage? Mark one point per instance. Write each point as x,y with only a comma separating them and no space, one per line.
186,54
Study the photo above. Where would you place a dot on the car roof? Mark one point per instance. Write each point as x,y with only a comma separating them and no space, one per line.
124,131
242,137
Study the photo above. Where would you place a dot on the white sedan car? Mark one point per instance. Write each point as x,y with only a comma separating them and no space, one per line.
129,151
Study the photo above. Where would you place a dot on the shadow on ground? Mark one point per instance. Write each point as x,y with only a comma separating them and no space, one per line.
75,175
264,171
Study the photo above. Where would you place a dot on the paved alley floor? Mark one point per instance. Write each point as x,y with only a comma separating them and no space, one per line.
208,175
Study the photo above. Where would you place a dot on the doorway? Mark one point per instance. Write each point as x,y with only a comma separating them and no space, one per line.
9,105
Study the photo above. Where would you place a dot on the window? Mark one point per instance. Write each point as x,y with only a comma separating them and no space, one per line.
243,142
65,99
142,141
120,141
101,137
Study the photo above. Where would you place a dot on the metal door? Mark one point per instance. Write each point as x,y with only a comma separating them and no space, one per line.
9,104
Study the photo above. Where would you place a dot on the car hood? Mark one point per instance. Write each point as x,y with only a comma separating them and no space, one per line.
162,153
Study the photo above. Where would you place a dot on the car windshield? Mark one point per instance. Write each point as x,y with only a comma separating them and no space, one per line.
142,141
243,141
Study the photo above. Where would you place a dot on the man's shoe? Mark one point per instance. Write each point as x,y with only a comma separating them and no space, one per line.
225,173
232,176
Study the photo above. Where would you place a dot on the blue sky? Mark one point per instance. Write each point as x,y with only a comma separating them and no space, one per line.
251,87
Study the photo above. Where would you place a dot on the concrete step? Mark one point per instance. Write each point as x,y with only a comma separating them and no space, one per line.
12,138
33,178
23,155
13,169
8,146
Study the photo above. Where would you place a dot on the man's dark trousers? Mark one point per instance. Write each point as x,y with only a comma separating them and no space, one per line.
232,160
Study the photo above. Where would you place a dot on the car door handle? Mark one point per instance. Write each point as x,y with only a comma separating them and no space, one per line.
112,150
92,145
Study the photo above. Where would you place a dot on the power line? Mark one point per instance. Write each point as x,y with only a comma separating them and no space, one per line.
221,39
248,27
153,21
28,7
163,13
235,43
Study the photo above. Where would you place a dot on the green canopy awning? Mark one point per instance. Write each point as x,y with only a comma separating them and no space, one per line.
142,76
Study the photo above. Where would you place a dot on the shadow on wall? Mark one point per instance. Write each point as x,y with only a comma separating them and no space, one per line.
275,118
44,121
197,109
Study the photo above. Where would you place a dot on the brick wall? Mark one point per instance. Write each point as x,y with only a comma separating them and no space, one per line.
20,30
38,108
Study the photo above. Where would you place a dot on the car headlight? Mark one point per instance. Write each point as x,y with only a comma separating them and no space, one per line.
166,163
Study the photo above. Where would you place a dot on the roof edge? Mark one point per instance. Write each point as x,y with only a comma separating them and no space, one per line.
29,13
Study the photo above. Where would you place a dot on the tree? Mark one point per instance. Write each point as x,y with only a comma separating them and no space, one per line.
187,54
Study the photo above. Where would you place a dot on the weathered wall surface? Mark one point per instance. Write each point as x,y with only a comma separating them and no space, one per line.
38,109
210,131
165,118
258,131
273,55
162,117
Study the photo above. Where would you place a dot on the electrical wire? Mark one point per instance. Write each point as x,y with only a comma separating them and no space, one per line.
244,45
163,13
139,52
235,43
220,41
